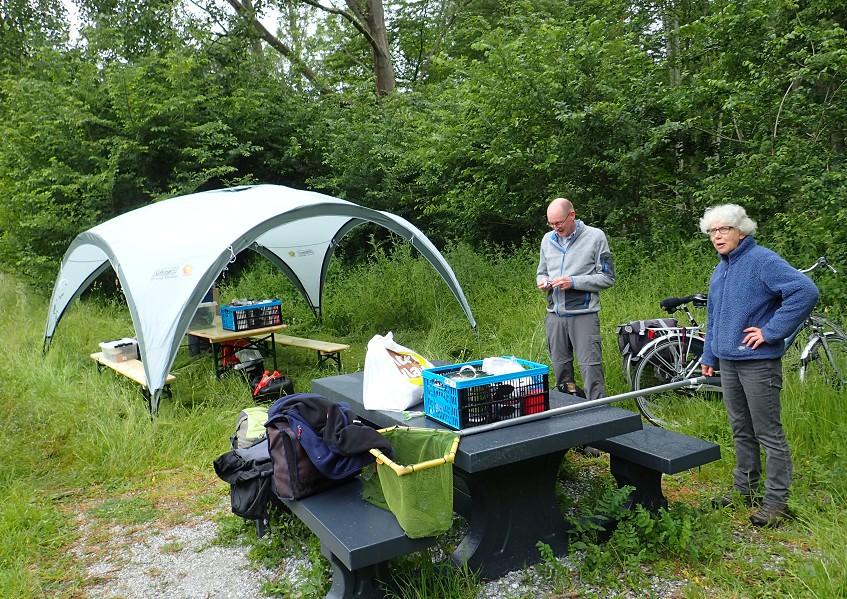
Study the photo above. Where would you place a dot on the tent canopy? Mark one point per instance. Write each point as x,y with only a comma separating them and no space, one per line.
168,255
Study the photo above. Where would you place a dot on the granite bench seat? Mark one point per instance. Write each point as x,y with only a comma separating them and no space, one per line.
641,457
356,537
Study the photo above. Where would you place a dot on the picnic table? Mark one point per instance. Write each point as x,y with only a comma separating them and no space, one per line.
261,339
504,479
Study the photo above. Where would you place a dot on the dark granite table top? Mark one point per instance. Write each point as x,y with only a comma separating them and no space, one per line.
507,445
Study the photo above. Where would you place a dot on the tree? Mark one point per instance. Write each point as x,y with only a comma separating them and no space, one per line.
26,26
367,18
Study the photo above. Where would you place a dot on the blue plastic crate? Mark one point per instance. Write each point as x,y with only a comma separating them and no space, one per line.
464,402
251,316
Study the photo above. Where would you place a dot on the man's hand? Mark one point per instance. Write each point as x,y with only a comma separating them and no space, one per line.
707,370
564,282
753,338
543,283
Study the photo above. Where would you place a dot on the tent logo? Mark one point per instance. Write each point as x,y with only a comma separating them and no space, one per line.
300,253
168,272
186,270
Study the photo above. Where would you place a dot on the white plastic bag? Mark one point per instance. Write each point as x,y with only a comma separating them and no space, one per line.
501,365
497,365
392,375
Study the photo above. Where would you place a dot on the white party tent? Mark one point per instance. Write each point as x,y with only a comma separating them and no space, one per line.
167,256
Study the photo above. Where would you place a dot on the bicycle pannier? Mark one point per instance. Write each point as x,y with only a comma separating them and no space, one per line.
633,336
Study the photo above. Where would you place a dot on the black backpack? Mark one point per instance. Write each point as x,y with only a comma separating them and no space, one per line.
248,469
279,385
248,472
316,443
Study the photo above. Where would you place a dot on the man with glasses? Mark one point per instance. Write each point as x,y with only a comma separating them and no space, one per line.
575,265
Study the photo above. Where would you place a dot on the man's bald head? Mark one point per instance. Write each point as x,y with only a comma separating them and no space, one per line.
561,216
562,204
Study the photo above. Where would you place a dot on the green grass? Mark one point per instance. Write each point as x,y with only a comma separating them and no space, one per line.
74,442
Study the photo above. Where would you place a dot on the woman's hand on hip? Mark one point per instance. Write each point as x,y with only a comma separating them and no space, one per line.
753,338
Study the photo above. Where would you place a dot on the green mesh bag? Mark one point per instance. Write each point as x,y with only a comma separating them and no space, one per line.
420,493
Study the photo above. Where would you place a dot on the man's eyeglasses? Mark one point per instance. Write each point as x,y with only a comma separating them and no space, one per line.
722,230
559,223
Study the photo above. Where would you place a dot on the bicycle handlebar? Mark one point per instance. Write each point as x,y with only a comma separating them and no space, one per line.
822,261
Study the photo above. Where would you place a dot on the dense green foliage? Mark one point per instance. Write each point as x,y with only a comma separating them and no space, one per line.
642,113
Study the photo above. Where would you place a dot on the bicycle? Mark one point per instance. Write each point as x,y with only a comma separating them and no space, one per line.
674,353
824,353
671,356
637,337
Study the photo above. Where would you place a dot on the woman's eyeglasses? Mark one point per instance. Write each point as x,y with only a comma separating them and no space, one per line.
722,230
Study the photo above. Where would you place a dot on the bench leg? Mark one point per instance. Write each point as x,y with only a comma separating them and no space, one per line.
334,356
261,527
357,584
647,483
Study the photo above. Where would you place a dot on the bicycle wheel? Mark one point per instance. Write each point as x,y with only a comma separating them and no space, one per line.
675,358
825,360
628,367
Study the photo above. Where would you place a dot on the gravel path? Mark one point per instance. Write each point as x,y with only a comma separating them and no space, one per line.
182,562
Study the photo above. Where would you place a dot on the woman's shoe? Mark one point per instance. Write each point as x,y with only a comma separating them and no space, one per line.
770,515
729,498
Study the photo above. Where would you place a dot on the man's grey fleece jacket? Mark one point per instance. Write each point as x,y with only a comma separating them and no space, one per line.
587,259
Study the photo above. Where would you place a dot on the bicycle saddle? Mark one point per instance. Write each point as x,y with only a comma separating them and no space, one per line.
670,304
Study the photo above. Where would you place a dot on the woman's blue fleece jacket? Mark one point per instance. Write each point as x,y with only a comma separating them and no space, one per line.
753,286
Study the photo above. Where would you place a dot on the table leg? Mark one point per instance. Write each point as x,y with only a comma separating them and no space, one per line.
511,509
273,349
148,400
216,356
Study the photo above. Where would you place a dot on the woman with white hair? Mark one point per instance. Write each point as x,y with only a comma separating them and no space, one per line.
756,300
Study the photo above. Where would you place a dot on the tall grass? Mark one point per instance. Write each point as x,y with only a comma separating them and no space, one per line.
71,435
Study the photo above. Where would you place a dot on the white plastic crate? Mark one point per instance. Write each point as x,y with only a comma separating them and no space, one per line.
120,350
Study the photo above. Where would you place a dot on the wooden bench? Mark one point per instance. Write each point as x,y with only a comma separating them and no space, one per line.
134,371
327,350
641,457
356,537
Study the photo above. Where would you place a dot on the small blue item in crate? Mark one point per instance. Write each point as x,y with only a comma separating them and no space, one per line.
462,395
251,316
